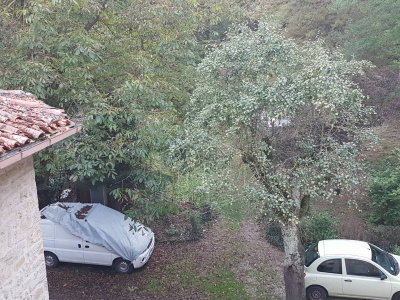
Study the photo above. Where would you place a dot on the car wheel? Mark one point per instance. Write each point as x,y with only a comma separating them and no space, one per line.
123,266
50,259
396,296
316,293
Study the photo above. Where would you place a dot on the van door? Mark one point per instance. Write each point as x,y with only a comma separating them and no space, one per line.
47,234
97,255
68,247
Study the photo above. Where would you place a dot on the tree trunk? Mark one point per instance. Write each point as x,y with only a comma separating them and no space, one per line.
293,266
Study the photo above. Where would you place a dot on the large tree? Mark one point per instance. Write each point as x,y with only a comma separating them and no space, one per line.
122,68
290,112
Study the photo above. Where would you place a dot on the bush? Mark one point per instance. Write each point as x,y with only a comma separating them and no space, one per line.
172,231
196,223
384,191
273,234
319,226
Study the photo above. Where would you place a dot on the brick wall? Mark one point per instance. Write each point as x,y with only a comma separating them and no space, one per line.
22,273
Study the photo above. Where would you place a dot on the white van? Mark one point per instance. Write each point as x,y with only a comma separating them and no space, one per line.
94,234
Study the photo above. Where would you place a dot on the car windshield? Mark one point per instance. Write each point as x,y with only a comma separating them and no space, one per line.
311,254
385,260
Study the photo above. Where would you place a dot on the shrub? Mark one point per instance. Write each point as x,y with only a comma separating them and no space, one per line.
273,234
319,226
384,191
172,230
196,223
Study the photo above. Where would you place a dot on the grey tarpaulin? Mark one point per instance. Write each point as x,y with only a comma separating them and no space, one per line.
101,225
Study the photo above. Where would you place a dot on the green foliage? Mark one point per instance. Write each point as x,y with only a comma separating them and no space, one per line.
365,29
273,235
396,250
153,285
225,189
305,20
229,192
291,113
50,192
189,223
51,179
143,205
219,283
257,77
172,230
189,188
224,286
122,69
384,191
321,225
373,31
196,222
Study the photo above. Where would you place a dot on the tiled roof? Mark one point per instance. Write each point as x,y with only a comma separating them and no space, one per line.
25,119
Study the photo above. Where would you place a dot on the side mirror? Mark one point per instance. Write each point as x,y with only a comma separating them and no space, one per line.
383,277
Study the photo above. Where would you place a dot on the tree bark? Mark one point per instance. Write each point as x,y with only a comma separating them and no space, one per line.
90,24
293,266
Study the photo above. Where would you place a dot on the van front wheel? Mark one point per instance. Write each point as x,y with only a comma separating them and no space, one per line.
123,266
50,259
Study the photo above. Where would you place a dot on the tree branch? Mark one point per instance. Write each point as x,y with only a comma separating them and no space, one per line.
103,7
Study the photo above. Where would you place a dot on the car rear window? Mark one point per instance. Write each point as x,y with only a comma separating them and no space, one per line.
311,254
331,266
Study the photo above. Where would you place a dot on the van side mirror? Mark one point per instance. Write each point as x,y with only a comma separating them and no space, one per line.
383,277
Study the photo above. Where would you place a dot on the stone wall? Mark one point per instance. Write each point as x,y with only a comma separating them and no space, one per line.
23,272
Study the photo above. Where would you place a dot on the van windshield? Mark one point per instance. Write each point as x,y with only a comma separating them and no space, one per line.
311,254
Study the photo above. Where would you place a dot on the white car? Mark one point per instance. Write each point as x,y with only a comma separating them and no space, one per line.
94,234
352,269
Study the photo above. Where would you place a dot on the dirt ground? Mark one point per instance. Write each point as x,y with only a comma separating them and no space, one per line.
185,270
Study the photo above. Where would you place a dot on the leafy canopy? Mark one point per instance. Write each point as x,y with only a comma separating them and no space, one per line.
290,112
121,68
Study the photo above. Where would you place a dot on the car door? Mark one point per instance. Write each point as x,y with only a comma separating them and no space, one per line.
330,276
97,255
67,247
363,280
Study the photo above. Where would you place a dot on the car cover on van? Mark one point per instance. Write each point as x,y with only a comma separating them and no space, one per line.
101,225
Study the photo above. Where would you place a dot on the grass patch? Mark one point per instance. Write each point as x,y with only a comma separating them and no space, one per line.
218,282
234,211
153,285
223,285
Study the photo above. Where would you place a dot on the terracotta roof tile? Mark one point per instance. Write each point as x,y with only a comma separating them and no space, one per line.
25,119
